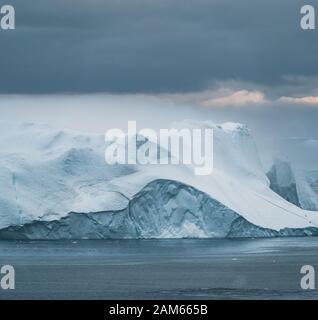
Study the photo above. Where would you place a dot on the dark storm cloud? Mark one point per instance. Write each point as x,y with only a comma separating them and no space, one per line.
154,45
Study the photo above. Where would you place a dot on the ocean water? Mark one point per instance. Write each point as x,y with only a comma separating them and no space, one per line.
160,269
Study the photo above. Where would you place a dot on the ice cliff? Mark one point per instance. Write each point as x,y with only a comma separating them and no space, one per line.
282,181
297,186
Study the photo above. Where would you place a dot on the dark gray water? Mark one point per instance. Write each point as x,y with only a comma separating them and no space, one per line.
160,269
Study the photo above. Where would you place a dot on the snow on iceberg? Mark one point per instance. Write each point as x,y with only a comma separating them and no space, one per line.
56,184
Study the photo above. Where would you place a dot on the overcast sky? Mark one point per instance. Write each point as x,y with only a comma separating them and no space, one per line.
157,46
99,63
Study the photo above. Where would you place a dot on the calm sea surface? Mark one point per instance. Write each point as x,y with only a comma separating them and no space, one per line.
160,269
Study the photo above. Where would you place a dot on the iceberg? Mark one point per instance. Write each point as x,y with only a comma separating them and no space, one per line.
283,182
55,184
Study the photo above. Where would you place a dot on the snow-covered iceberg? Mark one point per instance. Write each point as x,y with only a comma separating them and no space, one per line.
297,186
55,184
283,182
300,167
